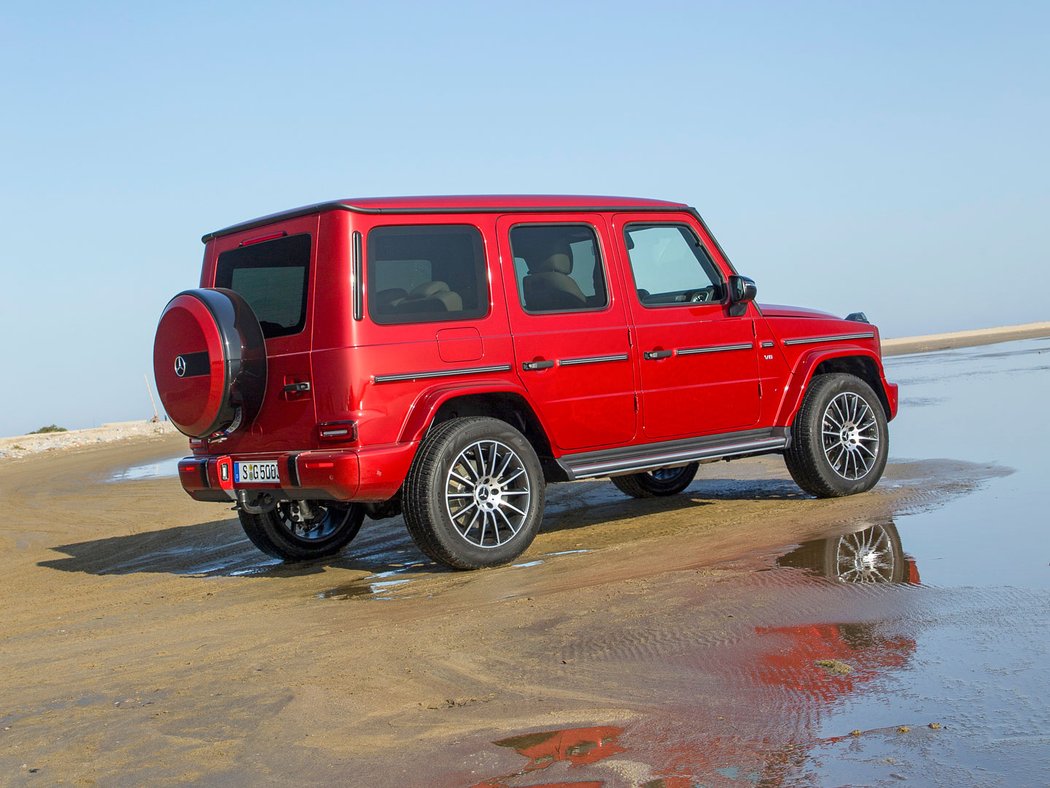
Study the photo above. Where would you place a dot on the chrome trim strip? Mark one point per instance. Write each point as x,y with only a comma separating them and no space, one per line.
642,461
441,373
696,351
767,343
832,338
575,362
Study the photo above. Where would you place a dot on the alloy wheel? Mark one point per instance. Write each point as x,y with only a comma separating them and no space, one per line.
487,493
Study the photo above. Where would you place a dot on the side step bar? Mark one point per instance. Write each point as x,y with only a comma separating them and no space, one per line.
632,459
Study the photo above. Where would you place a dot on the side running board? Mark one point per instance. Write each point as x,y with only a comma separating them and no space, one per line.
632,459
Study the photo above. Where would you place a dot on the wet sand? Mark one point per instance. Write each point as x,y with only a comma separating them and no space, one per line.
146,640
703,638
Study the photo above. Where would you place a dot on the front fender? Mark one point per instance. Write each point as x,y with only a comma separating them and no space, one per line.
806,366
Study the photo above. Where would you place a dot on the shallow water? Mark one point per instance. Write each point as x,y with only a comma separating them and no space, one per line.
151,470
912,649
981,631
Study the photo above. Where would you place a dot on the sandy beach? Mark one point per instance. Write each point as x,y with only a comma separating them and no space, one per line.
666,642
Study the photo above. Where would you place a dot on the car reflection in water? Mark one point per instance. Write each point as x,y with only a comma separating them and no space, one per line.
830,661
873,555
816,665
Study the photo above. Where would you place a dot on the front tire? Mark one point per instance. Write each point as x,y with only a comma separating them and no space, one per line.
303,530
652,484
474,496
839,440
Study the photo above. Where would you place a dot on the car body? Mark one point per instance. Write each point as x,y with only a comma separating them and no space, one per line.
613,334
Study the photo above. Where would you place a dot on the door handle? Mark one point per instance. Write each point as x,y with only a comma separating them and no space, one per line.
655,355
532,366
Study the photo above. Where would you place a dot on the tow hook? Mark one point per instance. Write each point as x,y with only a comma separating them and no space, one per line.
255,501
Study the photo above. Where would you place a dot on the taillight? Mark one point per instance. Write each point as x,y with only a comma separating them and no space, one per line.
259,239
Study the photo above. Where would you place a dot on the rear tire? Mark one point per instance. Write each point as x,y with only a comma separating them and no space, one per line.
839,440
663,481
474,496
292,533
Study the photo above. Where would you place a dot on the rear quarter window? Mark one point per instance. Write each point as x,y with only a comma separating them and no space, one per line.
272,277
426,273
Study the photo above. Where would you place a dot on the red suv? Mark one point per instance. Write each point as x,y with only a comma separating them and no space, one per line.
447,357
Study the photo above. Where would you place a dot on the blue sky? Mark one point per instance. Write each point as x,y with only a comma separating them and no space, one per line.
885,157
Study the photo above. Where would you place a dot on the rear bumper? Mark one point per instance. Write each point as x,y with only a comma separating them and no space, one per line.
340,475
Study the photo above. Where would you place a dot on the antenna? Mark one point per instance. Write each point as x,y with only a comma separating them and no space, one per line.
153,402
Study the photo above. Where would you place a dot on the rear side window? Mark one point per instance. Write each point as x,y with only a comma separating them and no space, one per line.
426,273
272,278
558,268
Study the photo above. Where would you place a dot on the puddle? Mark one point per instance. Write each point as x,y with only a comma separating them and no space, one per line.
904,649
364,588
378,586
988,407
572,747
162,469
873,555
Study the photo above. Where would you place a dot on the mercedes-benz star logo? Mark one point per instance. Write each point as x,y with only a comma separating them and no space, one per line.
180,366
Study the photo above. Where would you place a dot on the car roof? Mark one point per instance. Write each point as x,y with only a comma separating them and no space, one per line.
464,203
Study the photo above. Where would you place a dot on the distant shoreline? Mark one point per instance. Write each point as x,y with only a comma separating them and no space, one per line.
957,339
21,445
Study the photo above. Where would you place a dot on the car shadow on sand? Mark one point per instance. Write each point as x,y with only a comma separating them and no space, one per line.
219,547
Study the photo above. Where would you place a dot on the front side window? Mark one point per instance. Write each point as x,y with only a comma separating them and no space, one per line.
558,267
272,277
670,265
426,273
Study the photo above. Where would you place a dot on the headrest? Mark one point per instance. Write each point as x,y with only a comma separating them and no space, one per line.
559,262
428,289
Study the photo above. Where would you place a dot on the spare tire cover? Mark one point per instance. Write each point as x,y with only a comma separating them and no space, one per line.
209,360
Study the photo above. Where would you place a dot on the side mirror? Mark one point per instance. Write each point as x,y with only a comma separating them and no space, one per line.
741,291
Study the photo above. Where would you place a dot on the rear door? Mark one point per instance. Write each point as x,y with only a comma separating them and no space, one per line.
698,365
273,269
569,325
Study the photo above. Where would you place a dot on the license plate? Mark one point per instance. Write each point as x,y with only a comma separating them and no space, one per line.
256,472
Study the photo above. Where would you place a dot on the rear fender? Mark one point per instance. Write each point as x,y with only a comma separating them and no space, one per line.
430,401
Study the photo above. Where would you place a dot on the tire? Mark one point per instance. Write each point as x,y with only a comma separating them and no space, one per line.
474,495
663,481
839,441
292,534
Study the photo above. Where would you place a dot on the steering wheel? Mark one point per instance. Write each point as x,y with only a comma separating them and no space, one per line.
700,296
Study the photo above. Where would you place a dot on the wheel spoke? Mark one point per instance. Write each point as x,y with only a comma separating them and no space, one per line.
834,422
462,511
461,479
864,448
510,525
509,479
479,460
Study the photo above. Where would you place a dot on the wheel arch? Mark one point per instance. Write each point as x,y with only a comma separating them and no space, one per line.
859,362
496,401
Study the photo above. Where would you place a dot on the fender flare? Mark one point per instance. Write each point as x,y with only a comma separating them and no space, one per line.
806,366
425,407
